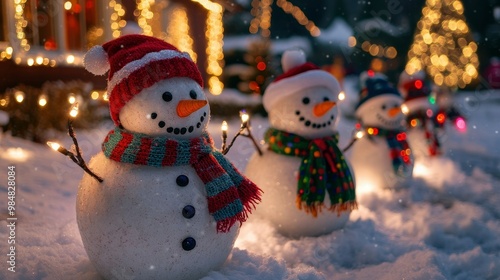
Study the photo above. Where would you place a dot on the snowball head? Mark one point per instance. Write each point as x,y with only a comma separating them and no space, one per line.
295,114
96,61
292,58
154,110
145,222
279,186
382,111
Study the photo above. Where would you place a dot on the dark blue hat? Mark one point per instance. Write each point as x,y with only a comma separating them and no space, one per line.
376,87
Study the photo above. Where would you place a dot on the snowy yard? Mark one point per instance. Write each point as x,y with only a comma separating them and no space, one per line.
445,225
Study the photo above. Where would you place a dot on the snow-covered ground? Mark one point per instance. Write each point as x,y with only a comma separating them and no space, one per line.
445,225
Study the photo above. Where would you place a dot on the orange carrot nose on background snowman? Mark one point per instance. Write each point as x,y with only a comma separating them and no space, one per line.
170,204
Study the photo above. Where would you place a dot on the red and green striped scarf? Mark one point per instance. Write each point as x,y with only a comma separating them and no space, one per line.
231,196
399,150
323,170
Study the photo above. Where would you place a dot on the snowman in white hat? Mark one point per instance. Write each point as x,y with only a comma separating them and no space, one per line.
169,201
307,183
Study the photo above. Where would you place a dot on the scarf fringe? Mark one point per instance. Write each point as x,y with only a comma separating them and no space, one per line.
250,196
316,208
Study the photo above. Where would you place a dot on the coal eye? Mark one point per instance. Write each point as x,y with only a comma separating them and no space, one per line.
167,96
383,107
326,99
193,94
306,100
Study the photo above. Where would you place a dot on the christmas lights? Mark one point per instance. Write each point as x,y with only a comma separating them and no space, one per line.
181,39
245,131
443,45
24,52
262,11
76,158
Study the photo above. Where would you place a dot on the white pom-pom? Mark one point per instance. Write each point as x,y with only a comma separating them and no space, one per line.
292,58
96,61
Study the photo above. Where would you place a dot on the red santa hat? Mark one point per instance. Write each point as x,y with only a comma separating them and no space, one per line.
136,62
298,75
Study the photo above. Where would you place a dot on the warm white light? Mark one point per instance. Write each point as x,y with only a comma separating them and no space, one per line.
94,95
405,109
244,117
359,134
70,59
39,60
224,126
16,154
55,146
71,99
341,95
42,100
74,111
19,95
68,5
30,61
105,97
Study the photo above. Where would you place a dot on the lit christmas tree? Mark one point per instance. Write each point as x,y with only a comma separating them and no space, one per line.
443,46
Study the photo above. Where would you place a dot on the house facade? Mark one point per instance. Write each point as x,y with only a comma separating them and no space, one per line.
45,40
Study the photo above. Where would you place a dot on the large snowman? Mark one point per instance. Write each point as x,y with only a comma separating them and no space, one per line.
168,203
381,157
308,186
420,109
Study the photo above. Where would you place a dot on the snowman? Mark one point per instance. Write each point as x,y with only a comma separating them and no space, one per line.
169,202
380,157
307,184
420,109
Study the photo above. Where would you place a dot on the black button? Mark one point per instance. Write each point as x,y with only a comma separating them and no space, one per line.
188,244
182,180
188,211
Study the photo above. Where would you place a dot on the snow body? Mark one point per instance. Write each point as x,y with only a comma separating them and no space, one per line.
416,135
277,174
370,156
140,222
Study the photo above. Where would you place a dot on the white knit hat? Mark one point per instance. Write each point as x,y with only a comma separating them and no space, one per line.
298,75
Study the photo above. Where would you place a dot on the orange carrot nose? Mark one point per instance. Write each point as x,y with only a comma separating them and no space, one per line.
323,107
394,111
187,107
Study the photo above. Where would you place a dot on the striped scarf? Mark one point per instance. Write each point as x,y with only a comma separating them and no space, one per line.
231,196
399,150
323,169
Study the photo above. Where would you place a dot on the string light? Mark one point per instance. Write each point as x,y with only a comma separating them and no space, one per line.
379,50
224,128
22,45
19,96
178,32
299,15
74,110
341,95
42,100
245,131
213,34
443,46
116,21
71,98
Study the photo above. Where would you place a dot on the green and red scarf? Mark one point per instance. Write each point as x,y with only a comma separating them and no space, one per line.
323,170
399,150
231,196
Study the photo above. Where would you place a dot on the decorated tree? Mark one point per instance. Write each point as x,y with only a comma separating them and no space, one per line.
259,59
443,46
